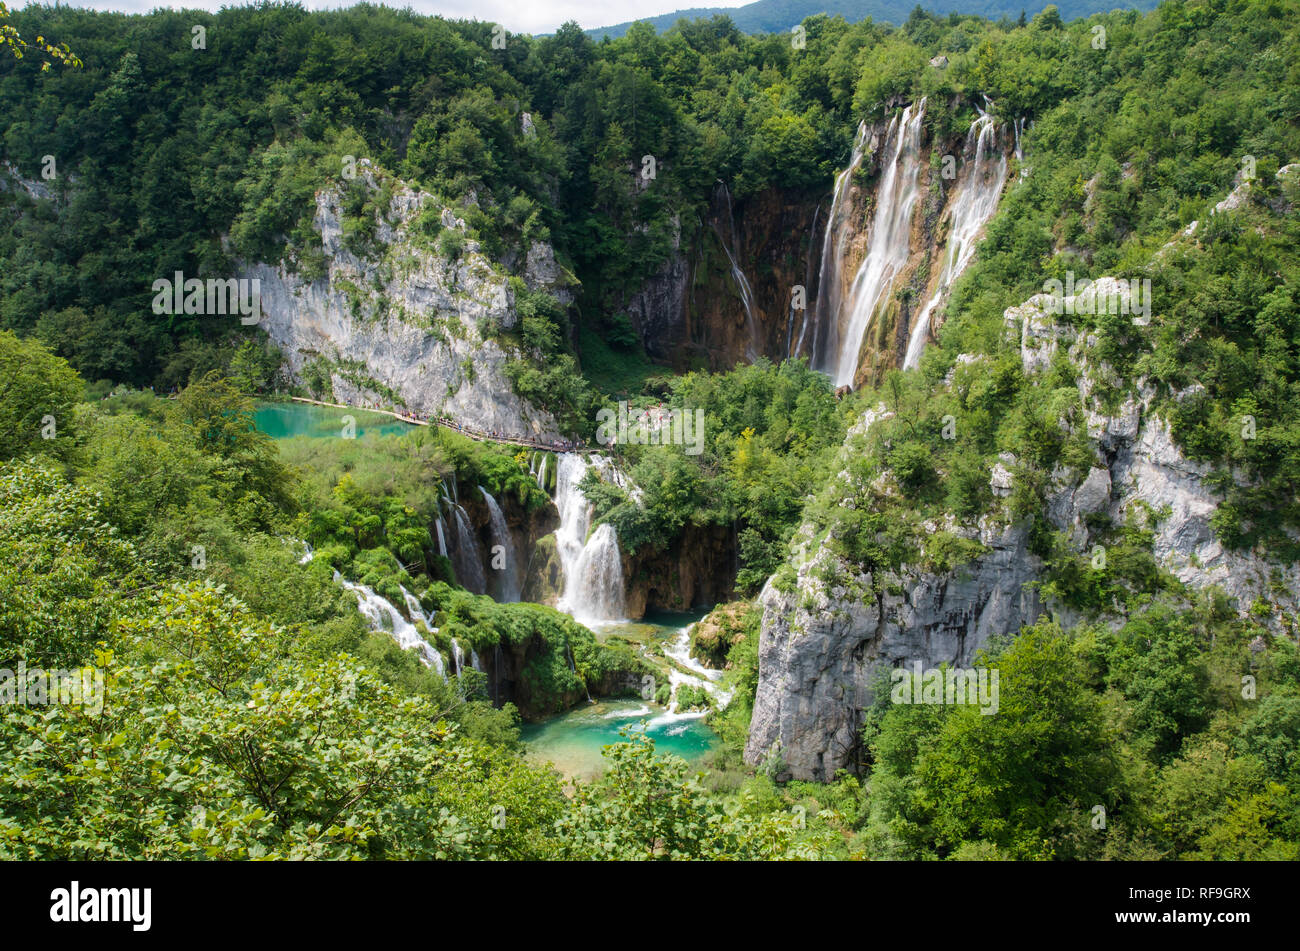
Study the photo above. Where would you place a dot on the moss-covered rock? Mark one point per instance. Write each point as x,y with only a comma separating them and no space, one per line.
725,625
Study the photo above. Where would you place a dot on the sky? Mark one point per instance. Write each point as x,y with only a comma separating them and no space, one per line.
532,16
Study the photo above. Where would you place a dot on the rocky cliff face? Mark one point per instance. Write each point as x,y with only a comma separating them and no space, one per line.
823,640
401,323
826,637
695,570
692,313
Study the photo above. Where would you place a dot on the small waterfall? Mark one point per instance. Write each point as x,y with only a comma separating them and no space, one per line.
977,199
466,558
383,616
738,275
889,244
457,657
474,661
1019,126
826,316
573,669
592,567
509,587
496,673
442,537
790,350
595,592
541,472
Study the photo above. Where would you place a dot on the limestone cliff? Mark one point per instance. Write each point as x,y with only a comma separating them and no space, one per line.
401,322
827,632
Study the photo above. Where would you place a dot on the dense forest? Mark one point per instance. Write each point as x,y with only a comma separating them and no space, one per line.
252,712
780,16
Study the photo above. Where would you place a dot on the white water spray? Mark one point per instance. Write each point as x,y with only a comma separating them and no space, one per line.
466,558
592,567
381,615
826,316
977,199
742,282
508,576
889,244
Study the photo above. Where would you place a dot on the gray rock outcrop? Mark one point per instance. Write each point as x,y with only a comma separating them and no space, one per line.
827,635
404,320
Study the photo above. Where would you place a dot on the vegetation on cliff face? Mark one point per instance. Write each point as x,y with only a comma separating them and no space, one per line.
158,541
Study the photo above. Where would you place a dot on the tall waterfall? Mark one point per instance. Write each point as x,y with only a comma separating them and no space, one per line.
826,316
383,616
888,246
790,349
593,569
508,587
738,275
465,558
977,199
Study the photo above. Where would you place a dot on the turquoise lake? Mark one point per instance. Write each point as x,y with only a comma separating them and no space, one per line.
287,420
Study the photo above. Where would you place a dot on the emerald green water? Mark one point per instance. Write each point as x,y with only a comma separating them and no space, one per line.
286,420
573,741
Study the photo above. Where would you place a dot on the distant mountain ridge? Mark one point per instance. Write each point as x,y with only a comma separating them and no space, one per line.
772,16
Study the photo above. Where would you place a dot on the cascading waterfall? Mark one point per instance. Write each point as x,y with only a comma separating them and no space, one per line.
457,657
383,616
541,473
466,558
790,350
595,592
738,275
592,567
509,586
442,537
888,246
826,316
977,199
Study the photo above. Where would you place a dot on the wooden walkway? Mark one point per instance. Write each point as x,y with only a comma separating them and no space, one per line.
463,430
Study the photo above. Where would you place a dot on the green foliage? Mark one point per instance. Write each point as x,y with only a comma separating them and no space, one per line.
37,393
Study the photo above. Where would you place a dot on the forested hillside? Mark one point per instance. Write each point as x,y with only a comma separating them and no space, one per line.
779,16
1105,510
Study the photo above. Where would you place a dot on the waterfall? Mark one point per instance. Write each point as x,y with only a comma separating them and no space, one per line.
442,537
790,350
541,473
592,567
573,669
457,656
888,243
466,558
595,591
509,576
742,283
826,317
381,615
977,199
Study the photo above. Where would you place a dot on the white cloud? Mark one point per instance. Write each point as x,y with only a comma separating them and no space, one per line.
538,17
